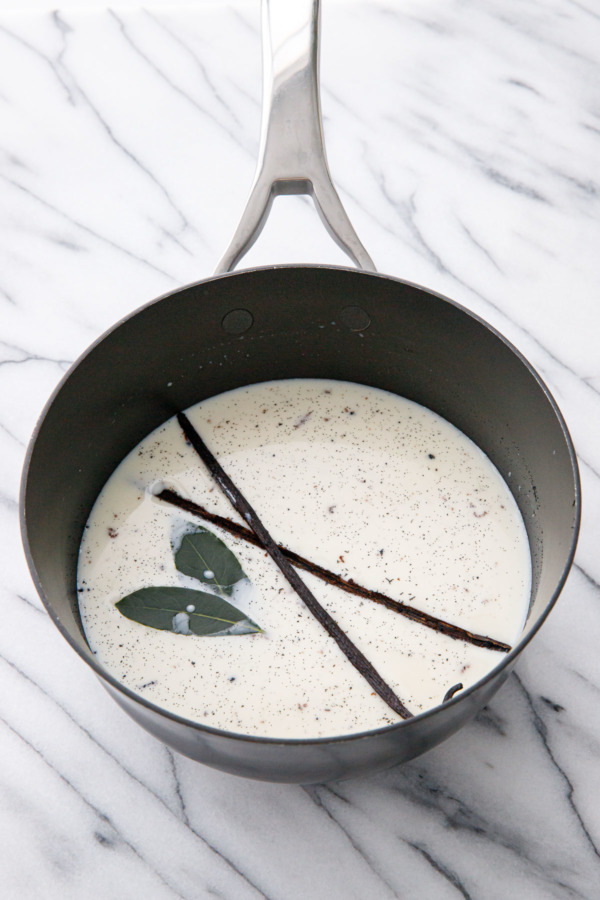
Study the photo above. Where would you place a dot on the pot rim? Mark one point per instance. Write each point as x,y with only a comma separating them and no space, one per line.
506,661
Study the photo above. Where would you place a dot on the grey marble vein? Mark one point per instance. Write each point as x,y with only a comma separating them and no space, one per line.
75,91
104,822
542,730
6,296
443,870
587,576
203,73
132,775
479,246
161,74
319,795
81,225
13,437
178,790
34,605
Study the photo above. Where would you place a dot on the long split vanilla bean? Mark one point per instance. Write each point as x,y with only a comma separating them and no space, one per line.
351,587
239,503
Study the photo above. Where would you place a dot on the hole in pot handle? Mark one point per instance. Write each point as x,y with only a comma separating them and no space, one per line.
292,153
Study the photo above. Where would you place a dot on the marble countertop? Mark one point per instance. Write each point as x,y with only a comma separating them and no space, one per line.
464,139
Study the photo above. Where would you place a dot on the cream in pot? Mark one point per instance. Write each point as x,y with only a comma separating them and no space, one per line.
365,483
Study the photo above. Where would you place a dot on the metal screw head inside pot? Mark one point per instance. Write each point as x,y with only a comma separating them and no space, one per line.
296,321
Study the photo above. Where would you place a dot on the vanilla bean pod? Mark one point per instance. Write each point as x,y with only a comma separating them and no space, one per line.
350,586
241,505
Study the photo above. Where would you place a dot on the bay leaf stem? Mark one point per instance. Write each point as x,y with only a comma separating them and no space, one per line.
348,585
241,505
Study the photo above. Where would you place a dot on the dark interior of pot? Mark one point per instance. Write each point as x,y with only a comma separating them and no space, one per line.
295,322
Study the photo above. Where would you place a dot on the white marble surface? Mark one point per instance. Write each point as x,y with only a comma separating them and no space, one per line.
464,138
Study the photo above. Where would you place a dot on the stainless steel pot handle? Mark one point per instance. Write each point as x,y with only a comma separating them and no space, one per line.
292,154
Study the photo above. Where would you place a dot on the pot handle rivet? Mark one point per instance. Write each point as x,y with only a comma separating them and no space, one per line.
237,321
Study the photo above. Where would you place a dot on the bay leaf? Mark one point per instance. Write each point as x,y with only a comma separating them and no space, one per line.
204,556
185,611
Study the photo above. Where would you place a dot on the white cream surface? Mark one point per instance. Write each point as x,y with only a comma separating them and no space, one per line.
365,483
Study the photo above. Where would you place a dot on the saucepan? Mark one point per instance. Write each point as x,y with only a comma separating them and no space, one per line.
287,322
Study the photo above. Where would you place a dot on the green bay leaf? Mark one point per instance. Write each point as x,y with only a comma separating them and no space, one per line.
185,611
204,556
